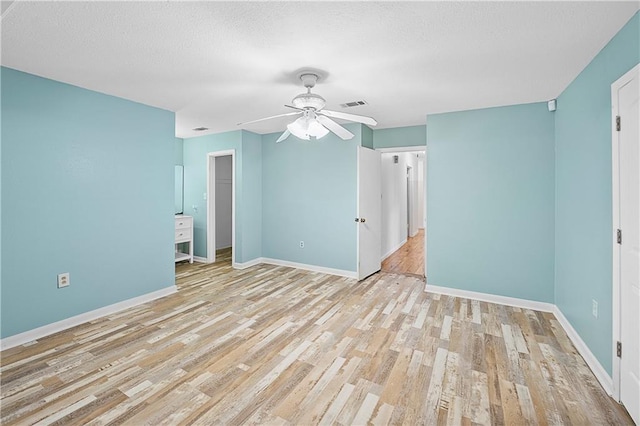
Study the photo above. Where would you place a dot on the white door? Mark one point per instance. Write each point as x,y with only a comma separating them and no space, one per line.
629,241
369,221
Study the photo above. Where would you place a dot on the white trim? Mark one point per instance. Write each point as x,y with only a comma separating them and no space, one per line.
615,208
211,198
312,268
200,259
289,264
492,298
249,264
55,327
592,362
394,249
416,148
358,211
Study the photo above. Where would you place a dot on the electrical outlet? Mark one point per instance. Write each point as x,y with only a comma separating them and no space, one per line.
63,280
204,196
301,244
594,308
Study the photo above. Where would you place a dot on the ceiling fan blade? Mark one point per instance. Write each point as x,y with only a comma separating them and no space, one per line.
293,107
334,127
351,117
283,136
268,118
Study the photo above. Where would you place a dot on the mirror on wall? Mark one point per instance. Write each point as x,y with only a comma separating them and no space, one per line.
179,189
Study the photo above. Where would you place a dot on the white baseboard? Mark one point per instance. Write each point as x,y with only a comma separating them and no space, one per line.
45,330
200,259
598,370
492,298
312,268
394,249
250,263
278,262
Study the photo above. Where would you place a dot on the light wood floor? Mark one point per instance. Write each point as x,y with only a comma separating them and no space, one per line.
408,259
276,345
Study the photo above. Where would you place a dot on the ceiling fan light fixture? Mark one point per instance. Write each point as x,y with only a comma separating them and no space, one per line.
307,126
316,129
299,128
315,121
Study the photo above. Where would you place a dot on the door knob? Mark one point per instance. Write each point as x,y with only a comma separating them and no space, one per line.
357,219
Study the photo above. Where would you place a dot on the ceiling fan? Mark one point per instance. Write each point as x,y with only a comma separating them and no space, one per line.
314,120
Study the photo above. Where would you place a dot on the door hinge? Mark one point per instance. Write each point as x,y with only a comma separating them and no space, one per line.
619,236
617,123
619,349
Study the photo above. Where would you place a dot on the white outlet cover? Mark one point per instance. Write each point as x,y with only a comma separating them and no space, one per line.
64,280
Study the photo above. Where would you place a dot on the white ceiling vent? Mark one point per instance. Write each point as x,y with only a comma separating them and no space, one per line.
353,104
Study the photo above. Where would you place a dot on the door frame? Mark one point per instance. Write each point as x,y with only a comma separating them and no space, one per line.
423,149
410,202
615,178
211,203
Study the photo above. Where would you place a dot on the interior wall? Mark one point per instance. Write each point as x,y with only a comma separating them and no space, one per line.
414,179
87,188
394,199
309,194
250,203
248,221
223,201
583,196
397,137
394,206
177,151
367,136
490,201
422,211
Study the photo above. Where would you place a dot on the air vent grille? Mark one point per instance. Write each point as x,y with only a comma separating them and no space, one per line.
353,104
201,129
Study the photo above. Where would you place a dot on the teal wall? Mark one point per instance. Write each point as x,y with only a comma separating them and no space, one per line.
248,152
177,151
490,206
251,213
367,136
309,193
400,137
583,192
87,188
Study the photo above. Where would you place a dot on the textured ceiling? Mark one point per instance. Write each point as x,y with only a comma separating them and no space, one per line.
219,63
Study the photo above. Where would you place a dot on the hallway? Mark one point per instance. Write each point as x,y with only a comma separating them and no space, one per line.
408,259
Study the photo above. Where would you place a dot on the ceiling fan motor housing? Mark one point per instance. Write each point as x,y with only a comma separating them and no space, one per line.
309,79
308,100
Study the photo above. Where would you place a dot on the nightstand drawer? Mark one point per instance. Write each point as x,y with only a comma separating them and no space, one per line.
183,222
183,235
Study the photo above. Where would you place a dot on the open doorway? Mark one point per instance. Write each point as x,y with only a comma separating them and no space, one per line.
403,211
220,206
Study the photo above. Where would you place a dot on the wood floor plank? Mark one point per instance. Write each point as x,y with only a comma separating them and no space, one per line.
408,259
276,345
